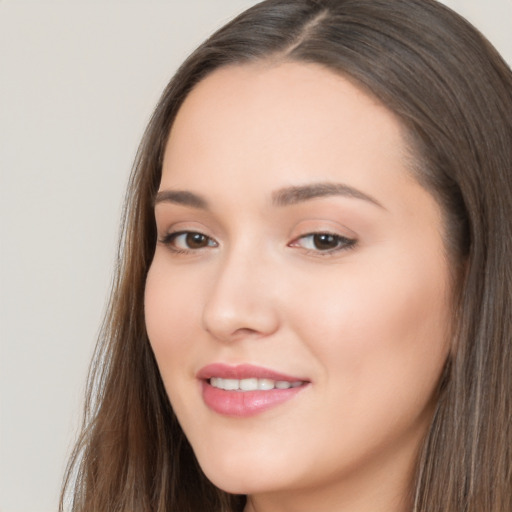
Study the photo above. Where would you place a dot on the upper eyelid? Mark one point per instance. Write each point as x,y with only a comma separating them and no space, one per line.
170,223
323,232
167,228
310,228
179,232
336,235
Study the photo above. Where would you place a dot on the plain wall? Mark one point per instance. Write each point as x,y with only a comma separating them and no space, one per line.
78,81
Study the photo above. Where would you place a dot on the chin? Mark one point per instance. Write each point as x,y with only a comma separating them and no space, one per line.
236,483
243,476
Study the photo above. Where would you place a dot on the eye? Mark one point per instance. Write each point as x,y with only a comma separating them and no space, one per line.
185,241
323,242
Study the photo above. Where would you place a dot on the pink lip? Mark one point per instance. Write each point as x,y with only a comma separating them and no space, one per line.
244,403
243,371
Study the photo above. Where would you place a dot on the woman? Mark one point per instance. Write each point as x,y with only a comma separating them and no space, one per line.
312,305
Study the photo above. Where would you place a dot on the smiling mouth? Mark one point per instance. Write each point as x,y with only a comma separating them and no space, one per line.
246,390
252,384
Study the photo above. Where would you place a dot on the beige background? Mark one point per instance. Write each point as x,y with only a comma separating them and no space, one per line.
78,81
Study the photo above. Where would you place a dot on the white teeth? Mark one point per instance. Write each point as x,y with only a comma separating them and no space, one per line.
265,384
252,384
248,384
231,384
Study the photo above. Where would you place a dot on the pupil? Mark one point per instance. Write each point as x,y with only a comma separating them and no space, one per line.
196,240
325,241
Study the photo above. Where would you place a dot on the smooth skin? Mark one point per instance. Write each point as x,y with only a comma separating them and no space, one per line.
349,289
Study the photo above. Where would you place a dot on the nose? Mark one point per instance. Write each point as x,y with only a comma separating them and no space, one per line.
242,299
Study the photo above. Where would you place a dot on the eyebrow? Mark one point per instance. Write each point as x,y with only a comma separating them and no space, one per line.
283,197
182,197
297,194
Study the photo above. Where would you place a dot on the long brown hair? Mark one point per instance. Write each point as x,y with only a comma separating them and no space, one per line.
453,94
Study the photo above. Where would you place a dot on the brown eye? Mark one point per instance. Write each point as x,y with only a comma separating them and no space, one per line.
184,241
325,241
196,240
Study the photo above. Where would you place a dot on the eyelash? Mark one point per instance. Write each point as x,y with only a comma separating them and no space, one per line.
170,239
342,243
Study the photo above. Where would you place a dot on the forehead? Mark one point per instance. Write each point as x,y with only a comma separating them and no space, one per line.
301,121
267,96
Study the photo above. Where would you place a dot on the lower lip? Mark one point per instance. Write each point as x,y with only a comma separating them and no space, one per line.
243,404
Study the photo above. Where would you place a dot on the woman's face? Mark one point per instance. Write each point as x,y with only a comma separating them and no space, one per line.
299,260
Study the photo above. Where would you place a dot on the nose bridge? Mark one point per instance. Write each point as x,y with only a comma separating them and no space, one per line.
240,300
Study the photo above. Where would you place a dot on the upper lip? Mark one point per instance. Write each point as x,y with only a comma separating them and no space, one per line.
243,371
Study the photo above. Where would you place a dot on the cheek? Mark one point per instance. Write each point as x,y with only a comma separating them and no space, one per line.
382,337
171,313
